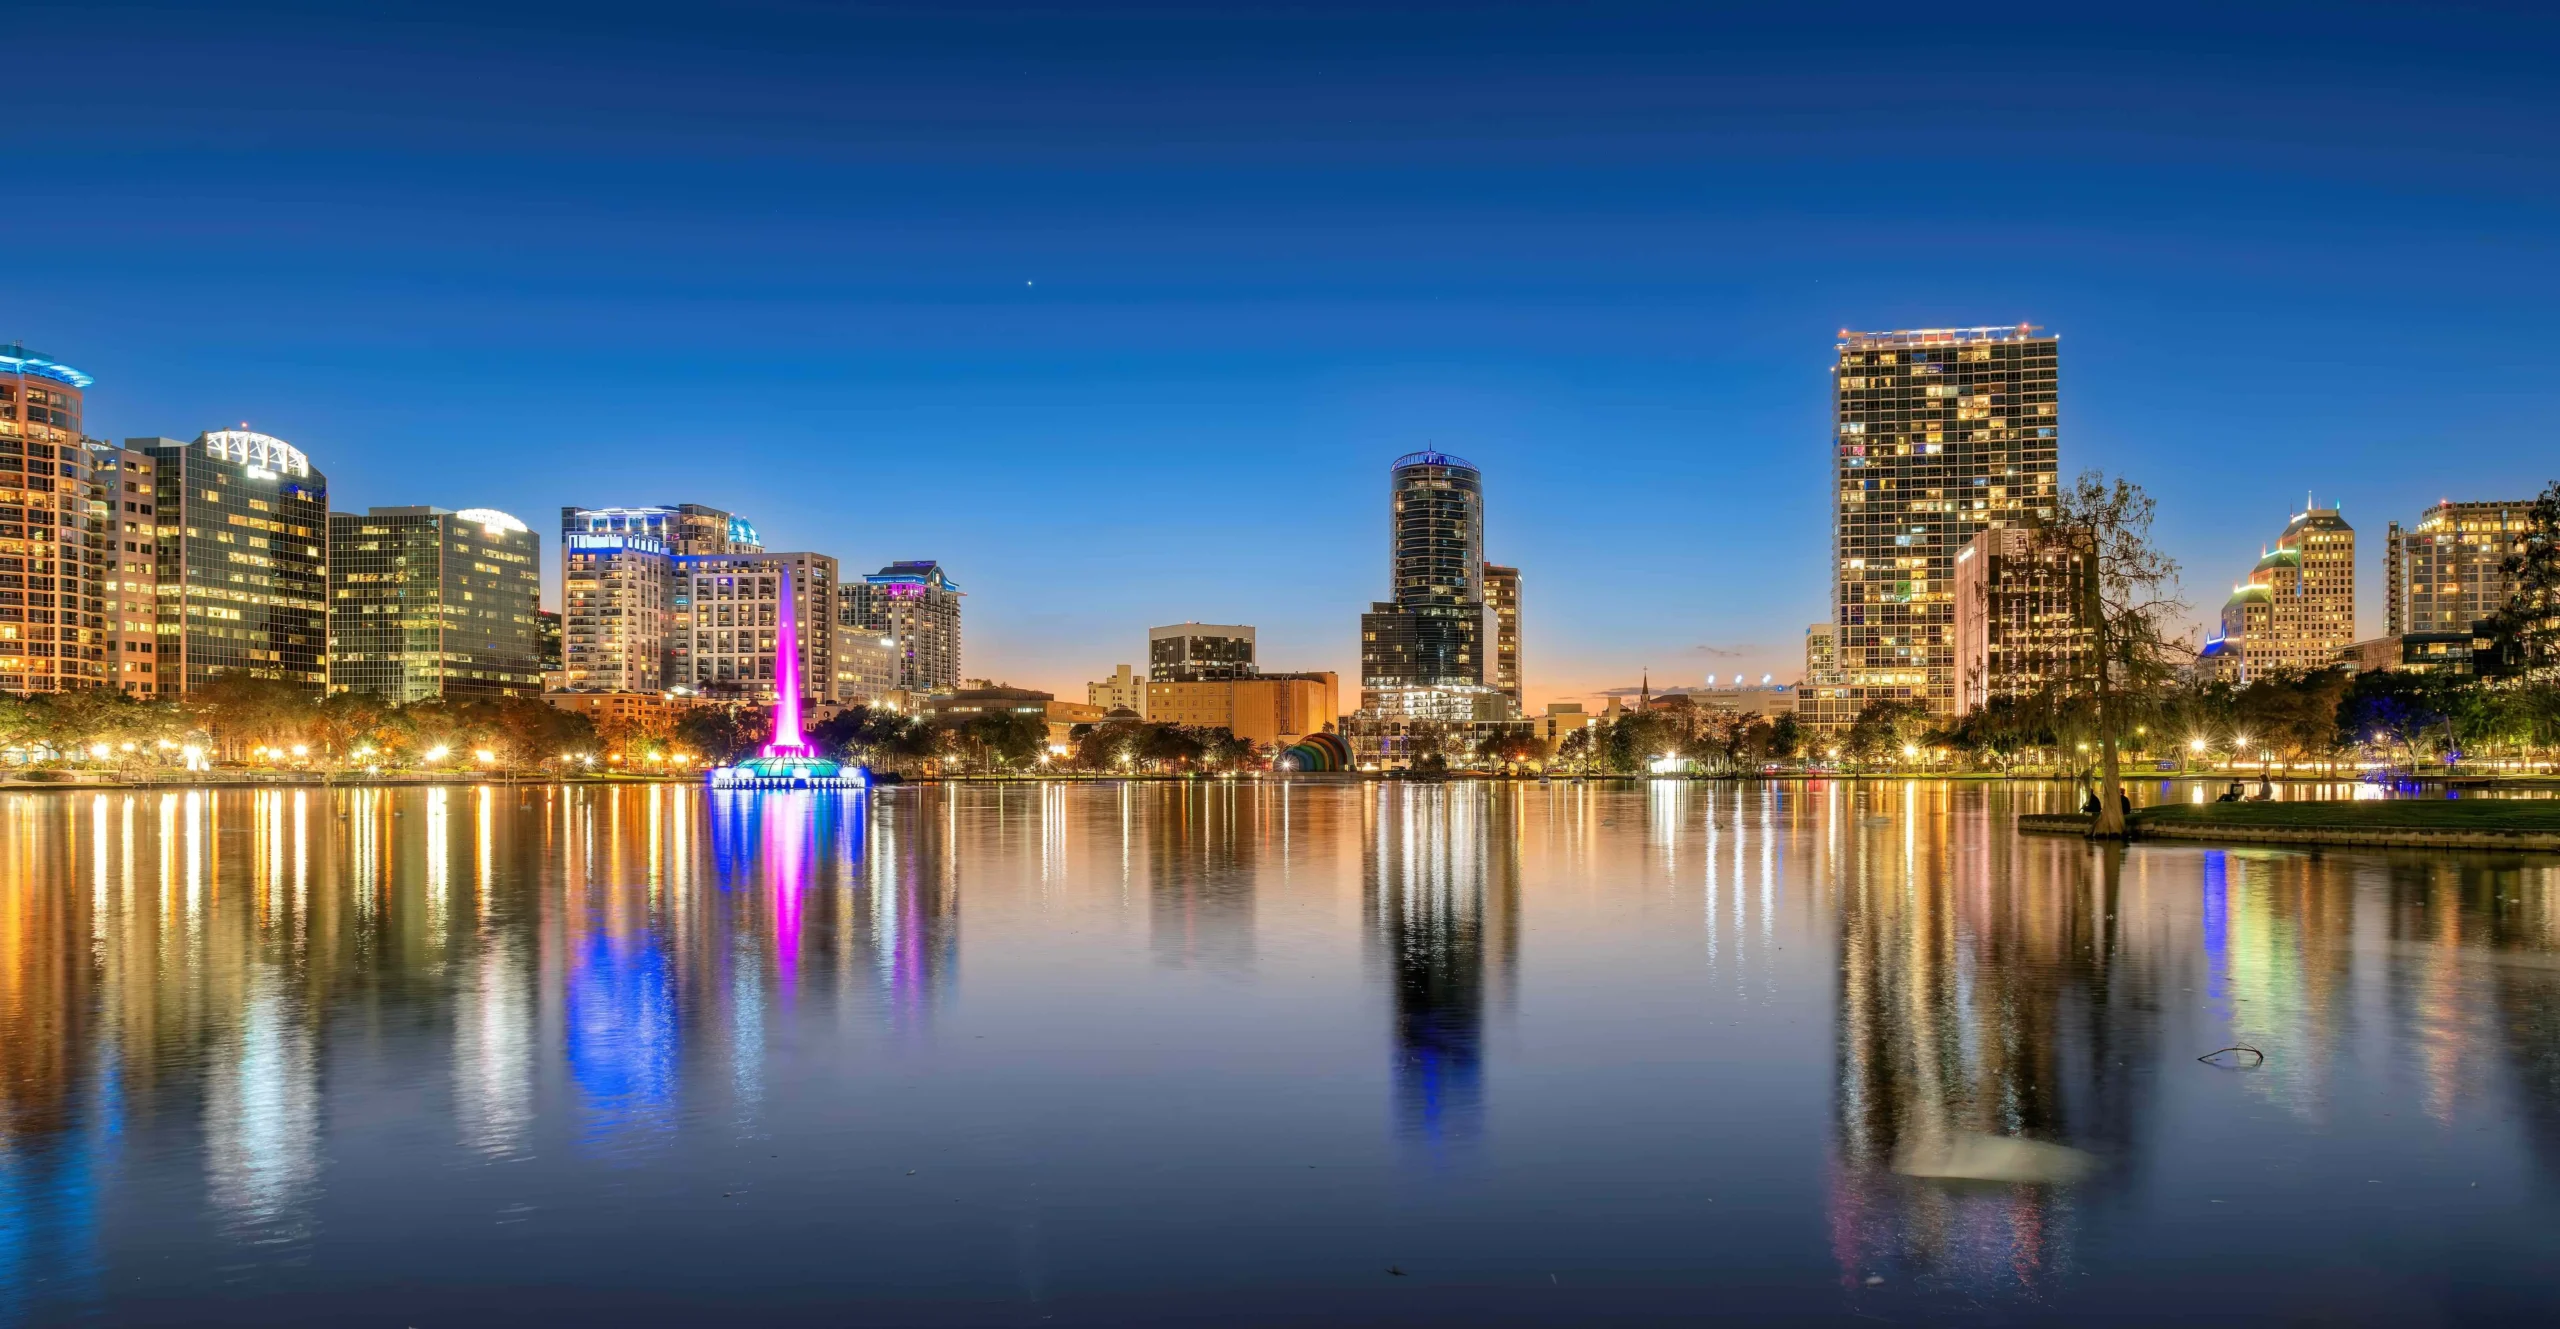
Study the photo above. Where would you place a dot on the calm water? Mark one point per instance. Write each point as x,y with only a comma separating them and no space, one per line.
1108,1055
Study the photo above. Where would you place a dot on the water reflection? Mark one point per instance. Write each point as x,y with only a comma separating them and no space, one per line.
1442,871
220,1012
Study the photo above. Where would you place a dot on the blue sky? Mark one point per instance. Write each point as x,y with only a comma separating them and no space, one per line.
1121,312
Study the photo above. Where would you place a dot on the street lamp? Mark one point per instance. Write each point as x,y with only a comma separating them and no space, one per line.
437,753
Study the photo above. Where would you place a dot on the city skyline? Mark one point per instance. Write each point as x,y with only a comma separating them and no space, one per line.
1619,306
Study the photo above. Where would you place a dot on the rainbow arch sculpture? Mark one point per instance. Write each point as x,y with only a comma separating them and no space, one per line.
1317,752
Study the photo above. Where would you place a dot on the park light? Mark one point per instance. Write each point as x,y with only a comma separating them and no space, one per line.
655,757
99,751
2195,745
365,750
164,743
194,756
484,755
128,747
438,753
302,749
1910,750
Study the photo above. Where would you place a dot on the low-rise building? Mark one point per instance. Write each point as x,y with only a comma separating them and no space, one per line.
1199,652
1264,709
1123,690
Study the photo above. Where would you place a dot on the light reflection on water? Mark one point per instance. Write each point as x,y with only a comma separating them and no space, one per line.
1228,1052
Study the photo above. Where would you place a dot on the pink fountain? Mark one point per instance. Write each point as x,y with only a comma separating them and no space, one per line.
788,761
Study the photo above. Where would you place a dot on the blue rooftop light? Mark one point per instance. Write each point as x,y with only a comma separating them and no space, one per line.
1430,458
17,359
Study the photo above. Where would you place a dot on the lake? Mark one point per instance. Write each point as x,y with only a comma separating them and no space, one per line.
1254,1053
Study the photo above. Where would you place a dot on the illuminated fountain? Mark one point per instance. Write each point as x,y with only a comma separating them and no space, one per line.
788,761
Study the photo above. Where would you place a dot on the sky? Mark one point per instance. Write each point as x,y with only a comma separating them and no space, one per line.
1121,312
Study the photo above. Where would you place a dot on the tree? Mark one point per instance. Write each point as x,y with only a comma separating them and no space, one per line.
2131,605
2527,628
1884,728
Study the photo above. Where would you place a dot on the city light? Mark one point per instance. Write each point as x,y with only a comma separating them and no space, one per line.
2195,745
437,753
483,755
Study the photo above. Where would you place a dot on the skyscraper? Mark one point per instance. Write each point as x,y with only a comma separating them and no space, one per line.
241,559
617,588
2448,570
1939,434
125,497
51,619
1502,604
426,603
1432,634
917,607
2297,609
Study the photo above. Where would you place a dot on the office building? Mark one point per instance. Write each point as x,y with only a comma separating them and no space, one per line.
240,559
1939,434
1124,690
725,613
426,603
617,589
1264,709
546,640
2447,571
1199,652
2296,612
51,618
917,607
1502,608
2022,615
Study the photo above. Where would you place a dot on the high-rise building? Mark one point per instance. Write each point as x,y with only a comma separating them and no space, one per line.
240,559
2448,570
866,667
1502,606
1431,635
1126,690
546,640
2022,603
51,618
2297,609
1426,674
725,615
124,495
1821,659
617,589
1939,434
426,603
916,607
1199,652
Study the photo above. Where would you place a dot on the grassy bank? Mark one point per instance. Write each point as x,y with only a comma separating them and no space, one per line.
2413,823
2453,814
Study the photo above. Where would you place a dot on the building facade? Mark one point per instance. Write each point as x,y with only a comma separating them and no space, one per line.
2447,570
1263,709
1938,435
724,616
618,592
1200,652
240,560
2296,612
917,608
125,497
2022,605
1124,690
1502,610
52,615
426,603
